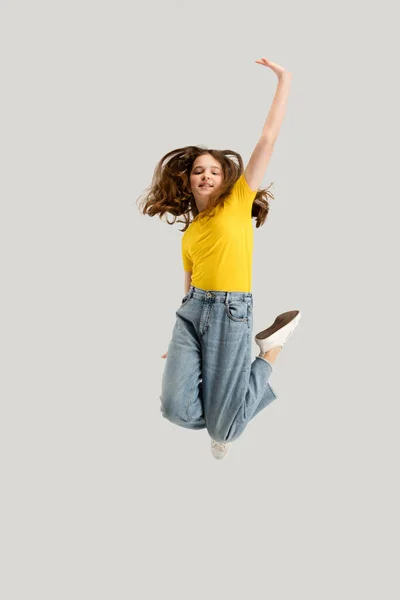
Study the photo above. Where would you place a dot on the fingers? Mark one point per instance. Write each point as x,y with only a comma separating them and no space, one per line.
277,69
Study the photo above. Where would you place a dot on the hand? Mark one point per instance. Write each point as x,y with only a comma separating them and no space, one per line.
164,355
275,68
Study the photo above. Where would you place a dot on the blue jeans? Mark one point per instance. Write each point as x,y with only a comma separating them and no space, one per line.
209,380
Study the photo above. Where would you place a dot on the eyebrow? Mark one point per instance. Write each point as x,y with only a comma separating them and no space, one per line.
213,167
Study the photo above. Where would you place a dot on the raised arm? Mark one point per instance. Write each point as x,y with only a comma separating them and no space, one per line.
257,165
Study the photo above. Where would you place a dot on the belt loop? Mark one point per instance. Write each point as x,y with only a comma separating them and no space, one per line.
227,298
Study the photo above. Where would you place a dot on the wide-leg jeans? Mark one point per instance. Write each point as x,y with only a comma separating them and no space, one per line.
209,380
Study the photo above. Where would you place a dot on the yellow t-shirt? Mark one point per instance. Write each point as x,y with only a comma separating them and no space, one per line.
219,250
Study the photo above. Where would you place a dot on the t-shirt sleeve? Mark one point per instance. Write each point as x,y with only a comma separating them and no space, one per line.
242,192
186,261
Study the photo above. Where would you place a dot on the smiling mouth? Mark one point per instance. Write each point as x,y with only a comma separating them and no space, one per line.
206,185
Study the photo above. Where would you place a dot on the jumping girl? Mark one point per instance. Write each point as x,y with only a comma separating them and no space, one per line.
209,380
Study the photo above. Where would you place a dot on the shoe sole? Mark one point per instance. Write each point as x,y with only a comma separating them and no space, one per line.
280,321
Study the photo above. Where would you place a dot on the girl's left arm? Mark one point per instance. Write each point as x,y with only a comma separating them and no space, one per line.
262,153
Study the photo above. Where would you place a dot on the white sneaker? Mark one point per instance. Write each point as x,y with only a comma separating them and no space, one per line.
279,332
219,449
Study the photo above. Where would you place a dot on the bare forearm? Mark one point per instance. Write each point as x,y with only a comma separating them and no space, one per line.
278,108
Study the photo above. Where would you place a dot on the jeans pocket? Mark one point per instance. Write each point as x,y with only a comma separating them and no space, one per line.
237,310
185,299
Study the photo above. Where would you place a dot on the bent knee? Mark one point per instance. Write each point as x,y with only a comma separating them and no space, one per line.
172,410
180,414
168,408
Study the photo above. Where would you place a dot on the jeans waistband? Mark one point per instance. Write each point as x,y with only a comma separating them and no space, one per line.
218,296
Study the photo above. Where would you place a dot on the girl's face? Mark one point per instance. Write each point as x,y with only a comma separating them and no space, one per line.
206,177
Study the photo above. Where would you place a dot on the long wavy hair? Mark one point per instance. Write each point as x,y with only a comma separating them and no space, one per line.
169,190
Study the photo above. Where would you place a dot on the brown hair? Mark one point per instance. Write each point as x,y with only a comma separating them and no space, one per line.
169,191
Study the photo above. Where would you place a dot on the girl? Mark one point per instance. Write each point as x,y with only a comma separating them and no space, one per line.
209,380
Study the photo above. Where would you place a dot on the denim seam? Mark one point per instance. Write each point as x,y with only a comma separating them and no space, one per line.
189,401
